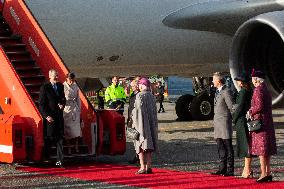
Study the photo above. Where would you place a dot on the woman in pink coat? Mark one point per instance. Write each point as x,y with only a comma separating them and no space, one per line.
262,142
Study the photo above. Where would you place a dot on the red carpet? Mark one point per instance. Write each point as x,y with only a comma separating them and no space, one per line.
162,178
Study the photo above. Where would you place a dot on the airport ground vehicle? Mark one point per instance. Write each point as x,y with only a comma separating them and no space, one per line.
26,56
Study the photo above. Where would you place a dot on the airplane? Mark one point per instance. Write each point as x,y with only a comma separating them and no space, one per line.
102,38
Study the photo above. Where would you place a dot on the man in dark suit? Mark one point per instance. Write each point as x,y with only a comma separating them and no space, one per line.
223,104
51,104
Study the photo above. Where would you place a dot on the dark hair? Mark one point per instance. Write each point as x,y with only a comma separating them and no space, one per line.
70,75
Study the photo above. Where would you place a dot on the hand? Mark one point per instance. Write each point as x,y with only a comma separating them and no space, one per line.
248,116
60,106
50,119
118,107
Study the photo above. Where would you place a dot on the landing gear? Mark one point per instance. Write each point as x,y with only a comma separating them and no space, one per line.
202,107
183,106
198,107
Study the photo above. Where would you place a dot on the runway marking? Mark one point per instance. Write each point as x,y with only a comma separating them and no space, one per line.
161,179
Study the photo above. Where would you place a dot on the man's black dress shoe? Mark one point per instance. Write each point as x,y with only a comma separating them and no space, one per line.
219,172
265,179
59,164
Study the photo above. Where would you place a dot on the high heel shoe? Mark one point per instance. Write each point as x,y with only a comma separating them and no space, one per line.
250,175
265,179
141,171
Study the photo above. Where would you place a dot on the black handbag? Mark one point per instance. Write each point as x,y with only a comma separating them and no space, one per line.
254,125
132,133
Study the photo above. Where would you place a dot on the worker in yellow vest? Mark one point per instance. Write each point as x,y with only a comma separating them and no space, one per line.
115,96
100,98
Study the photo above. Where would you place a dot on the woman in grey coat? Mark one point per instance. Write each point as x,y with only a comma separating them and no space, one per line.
144,116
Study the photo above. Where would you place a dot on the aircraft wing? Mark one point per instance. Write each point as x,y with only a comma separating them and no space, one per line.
220,16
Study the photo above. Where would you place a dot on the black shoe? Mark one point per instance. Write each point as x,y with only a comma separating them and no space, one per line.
219,172
265,179
228,174
59,164
149,171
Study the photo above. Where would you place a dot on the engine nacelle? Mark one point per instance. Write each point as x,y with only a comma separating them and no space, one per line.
259,44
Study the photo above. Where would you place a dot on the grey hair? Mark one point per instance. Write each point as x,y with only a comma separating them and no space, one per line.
219,77
51,72
258,79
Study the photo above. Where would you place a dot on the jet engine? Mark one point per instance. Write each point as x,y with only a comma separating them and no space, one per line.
259,44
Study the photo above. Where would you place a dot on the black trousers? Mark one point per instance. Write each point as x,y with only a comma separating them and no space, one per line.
160,100
58,142
226,155
101,104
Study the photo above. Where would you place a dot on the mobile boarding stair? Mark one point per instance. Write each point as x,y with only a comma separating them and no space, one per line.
26,56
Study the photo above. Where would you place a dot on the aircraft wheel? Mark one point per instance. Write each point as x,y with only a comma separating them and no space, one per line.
183,104
202,107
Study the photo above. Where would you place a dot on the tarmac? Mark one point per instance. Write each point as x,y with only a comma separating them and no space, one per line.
183,146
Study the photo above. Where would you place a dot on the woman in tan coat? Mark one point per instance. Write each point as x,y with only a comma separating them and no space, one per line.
72,111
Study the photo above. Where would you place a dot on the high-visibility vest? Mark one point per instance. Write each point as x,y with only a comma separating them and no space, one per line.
113,94
101,93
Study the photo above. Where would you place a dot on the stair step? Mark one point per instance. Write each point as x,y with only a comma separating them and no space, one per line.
33,81
30,71
27,69
19,63
83,150
5,33
34,93
9,40
16,37
18,55
14,47
71,156
33,85
4,25
17,52
39,76
35,98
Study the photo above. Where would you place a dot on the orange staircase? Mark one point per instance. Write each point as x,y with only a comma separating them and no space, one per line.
27,69
26,56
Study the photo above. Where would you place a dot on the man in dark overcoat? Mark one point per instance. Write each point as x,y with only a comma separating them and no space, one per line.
51,104
223,104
